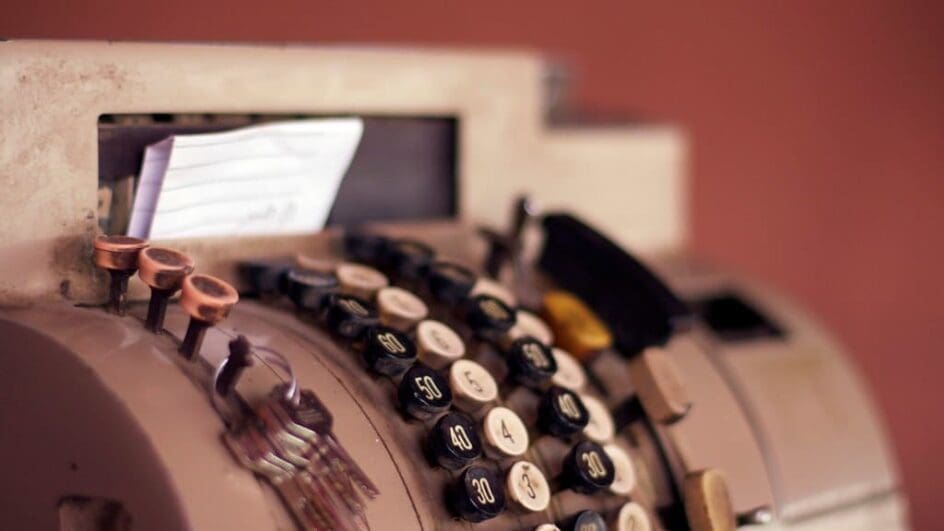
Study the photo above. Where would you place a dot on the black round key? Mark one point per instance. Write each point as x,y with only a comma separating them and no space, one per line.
388,351
561,412
585,521
365,247
477,495
408,259
423,392
530,362
450,283
489,317
309,290
587,468
454,441
350,316
264,277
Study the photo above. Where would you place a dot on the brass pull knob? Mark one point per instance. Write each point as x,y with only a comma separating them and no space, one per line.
119,256
164,271
208,300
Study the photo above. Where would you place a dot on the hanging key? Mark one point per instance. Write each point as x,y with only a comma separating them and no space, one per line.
287,439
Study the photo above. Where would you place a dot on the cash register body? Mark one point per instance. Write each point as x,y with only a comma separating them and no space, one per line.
95,406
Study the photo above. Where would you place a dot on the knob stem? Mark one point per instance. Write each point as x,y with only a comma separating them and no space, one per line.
194,338
240,357
118,290
525,210
157,308
505,247
498,253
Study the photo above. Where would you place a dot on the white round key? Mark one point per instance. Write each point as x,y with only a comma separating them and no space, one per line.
570,373
547,527
486,286
632,517
527,486
624,477
600,427
528,324
437,344
505,432
472,385
399,308
360,280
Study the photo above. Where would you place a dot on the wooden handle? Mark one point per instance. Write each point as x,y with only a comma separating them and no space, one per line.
659,385
707,502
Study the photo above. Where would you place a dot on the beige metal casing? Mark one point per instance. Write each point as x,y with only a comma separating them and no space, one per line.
52,93
837,474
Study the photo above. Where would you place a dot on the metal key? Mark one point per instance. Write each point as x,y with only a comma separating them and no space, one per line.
299,503
253,450
310,420
287,440
328,463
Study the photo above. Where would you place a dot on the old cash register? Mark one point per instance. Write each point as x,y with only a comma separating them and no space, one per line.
429,306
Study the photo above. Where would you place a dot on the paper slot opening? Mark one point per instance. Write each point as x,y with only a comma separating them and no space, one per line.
402,168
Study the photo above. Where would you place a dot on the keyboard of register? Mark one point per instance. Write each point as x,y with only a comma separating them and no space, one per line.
632,480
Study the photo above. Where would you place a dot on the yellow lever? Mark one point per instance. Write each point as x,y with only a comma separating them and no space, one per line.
576,328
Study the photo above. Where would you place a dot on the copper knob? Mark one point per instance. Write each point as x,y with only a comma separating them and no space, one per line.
208,300
118,255
164,271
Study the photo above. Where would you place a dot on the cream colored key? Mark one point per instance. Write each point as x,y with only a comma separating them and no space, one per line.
600,428
528,324
624,476
504,432
399,308
472,385
486,286
659,385
438,345
315,263
570,373
707,502
632,517
527,486
360,280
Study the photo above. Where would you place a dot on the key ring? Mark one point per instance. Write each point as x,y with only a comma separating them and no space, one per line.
272,359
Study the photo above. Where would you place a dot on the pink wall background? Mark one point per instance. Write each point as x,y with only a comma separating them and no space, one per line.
817,131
